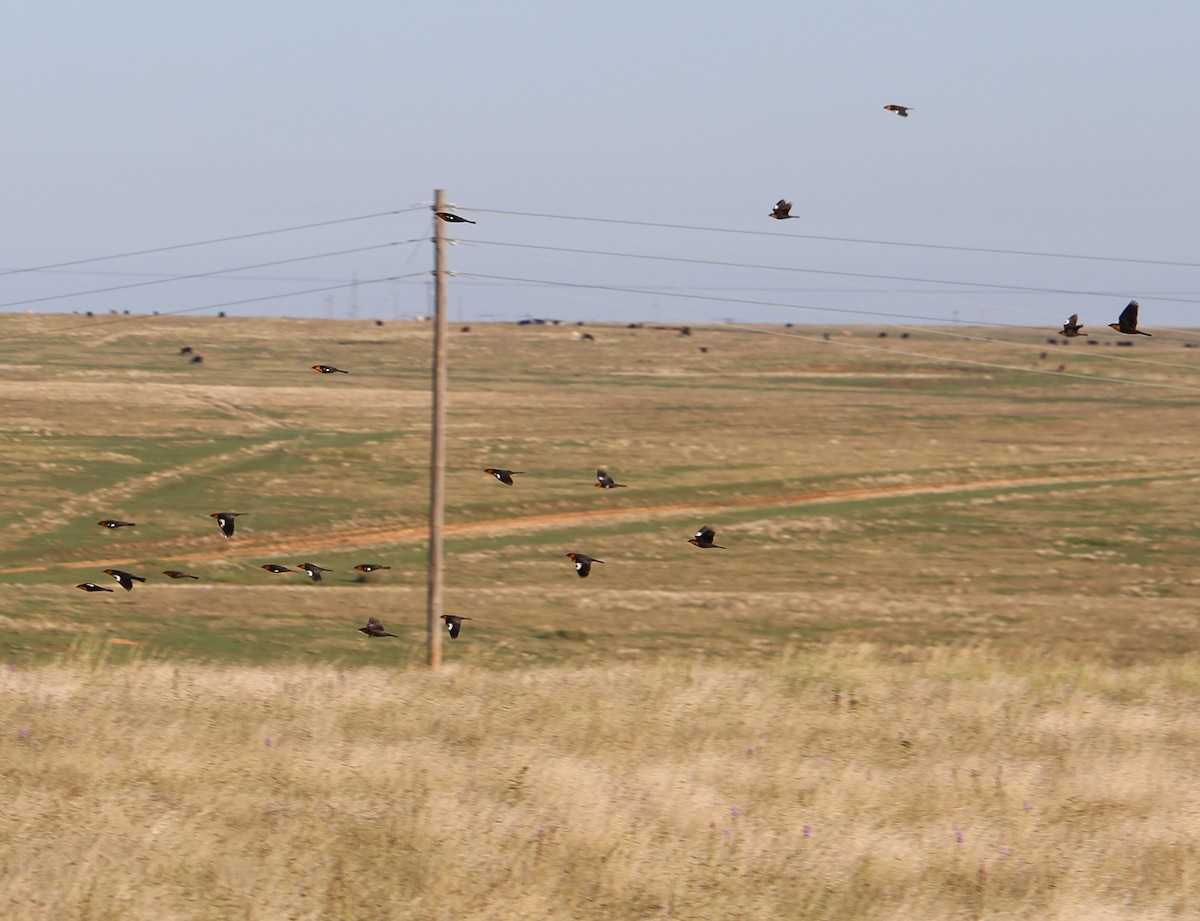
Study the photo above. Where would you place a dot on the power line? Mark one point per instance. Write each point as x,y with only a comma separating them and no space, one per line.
936,296
244,268
142,318
829,239
838,342
699,294
713,297
806,271
212,240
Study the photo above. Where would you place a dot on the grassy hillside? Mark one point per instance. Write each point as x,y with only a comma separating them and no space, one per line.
943,669
898,491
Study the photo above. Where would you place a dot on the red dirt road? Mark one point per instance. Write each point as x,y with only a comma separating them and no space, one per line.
213,547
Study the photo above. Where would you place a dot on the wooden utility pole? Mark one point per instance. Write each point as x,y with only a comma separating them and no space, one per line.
437,437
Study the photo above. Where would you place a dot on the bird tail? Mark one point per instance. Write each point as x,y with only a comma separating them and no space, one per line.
139,578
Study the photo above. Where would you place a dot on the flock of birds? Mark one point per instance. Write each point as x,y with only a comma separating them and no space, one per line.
704,538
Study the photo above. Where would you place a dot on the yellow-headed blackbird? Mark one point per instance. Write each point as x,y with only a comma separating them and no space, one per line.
177,574
225,521
604,481
271,567
451,218
454,624
374,627
329,369
314,571
370,567
124,579
704,539
902,111
504,476
92,587
1072,327
583,563
1127,321
111,523
782,211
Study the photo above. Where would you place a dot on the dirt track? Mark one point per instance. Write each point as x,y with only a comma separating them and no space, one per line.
205,548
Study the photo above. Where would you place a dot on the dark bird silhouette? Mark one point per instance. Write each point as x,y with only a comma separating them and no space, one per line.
902,111
782,211
374,627
92,587
111,523
272,567
124,579
454,624
178,574
1128,320
329,369
370,567
704,539
583,563
451,218
604,481
314,571
504,476
225,521
1072,327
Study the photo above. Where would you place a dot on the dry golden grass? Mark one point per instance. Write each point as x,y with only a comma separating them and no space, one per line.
847,783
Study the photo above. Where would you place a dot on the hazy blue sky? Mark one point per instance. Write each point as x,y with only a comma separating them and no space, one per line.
1040,126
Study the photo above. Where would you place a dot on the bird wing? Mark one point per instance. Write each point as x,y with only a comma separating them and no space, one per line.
1129,316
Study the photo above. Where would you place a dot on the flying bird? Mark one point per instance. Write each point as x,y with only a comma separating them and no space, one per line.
225,521
112,523
902,111
124,579
271,567
504,476
370,567
454,624
1127,321
314,571
583,563
1072,327
704,539
781,211
92,587
451,218
178,574
604,481
374,627
329,369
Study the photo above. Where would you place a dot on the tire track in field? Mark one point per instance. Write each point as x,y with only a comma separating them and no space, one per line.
127,489
189,548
